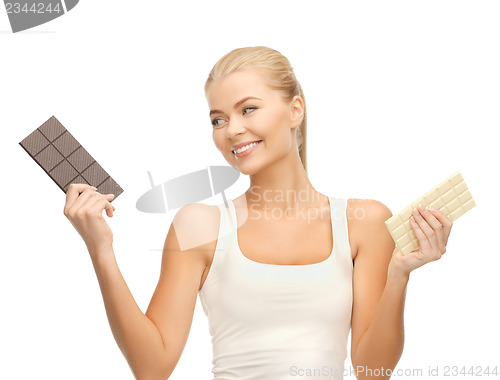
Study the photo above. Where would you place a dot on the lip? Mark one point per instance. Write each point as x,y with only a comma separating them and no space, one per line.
248,151
234,147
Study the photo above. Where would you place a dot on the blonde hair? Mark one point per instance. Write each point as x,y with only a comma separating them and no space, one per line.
281,77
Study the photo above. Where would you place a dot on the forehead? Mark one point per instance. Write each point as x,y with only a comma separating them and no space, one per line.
236,86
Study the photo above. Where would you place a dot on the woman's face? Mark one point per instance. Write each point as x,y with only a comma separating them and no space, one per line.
244,109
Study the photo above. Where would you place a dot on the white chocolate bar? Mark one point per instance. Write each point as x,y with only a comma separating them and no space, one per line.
451,197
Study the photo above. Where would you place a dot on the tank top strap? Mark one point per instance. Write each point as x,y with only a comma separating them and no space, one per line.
339,221
220,256
225,226
224,236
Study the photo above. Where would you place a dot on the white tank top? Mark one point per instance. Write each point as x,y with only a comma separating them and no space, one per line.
276,322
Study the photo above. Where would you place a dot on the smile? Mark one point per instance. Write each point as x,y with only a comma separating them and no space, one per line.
246,150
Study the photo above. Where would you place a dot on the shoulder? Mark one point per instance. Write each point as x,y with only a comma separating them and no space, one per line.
366,219
197,213
367,211
197,226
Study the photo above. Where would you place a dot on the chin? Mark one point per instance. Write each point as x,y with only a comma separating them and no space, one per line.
247,171
249,168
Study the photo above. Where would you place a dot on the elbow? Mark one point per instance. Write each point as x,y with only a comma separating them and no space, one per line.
150,376
158,368
375,366
159,374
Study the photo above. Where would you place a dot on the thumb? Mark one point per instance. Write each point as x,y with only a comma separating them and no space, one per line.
396,251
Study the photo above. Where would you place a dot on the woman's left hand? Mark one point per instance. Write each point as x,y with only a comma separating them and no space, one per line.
432,228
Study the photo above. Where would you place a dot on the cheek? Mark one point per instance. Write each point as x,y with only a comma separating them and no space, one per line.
266,126
277,132
218,138
221,144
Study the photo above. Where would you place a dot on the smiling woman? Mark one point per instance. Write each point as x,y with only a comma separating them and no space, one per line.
284,304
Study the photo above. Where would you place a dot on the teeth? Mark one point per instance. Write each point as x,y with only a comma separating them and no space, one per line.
242,149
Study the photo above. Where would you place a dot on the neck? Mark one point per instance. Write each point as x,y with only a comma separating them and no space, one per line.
283,186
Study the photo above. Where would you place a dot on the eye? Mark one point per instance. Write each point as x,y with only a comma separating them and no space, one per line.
214,122
251,108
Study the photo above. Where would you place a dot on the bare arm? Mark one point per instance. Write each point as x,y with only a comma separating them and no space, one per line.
136,335
153,342
378,308
381,275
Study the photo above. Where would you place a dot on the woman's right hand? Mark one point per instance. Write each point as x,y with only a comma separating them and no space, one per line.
83,208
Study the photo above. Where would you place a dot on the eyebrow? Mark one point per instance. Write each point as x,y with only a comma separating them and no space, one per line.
236,105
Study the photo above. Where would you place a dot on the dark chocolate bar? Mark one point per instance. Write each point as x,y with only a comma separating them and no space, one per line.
65,160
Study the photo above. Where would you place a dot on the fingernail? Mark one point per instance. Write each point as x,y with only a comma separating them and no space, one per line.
432,209
412,219
420,206
111,195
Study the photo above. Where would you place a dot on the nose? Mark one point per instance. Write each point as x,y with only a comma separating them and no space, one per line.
234,127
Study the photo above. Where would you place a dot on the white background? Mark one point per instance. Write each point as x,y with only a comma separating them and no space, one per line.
399,96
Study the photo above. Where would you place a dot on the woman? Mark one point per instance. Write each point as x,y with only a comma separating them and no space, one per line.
281,308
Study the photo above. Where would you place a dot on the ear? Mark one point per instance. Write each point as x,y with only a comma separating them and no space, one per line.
296,111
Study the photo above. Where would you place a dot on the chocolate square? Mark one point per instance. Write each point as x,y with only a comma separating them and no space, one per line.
109,186
52,129
66,144
48,158
80,159
78,179
34,143
64,173
95,174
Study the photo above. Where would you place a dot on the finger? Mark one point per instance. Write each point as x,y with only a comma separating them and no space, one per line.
422,223
445,221
83,199
74,191
102,203
108,206
436,226
429,217
111,208
422,238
